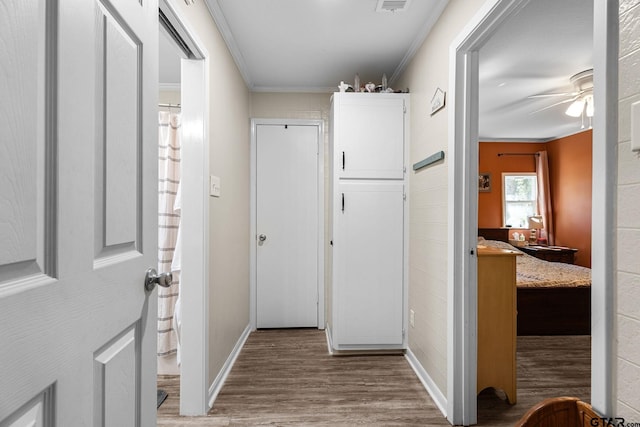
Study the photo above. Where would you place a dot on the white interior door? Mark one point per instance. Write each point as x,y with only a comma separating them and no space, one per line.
287,226
78,196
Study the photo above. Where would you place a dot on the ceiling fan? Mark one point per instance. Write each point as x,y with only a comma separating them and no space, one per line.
581,98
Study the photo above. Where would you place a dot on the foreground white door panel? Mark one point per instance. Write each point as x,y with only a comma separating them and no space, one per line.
77,212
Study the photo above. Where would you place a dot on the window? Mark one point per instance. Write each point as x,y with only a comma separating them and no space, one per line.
519,198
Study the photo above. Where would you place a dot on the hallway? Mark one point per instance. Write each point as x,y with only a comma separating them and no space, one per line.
286,377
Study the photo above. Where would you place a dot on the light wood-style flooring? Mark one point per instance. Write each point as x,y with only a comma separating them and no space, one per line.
287,378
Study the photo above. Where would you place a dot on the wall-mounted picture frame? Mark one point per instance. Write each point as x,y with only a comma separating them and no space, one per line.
484,182
437,101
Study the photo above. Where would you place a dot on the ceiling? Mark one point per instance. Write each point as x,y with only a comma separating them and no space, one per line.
312,45
534,52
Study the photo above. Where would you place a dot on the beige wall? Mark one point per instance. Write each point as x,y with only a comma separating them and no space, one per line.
428,216
312,106
628,274
169,97
229,215
309,106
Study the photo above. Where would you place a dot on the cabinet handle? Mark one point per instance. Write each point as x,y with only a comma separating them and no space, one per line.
343,160
342,202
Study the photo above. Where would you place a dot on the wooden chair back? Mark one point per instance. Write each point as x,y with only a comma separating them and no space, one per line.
561,412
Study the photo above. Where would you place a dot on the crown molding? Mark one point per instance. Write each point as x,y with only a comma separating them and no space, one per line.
518,140
295,89
221,22
533,140
419,39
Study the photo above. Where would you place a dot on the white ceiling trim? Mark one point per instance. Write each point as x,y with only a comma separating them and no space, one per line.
534,140
169,87
295,89
522,140
218,17
419,40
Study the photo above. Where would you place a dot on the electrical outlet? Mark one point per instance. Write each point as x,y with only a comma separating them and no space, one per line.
412,318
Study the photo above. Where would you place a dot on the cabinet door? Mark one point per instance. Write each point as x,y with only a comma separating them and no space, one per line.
369,261
370,137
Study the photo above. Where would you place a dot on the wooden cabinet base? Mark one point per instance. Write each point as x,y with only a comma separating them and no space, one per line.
497,321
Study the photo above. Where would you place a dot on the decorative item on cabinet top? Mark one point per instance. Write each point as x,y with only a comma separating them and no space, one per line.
369,87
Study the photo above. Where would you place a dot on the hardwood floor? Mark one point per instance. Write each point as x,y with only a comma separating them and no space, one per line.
287,378
549,366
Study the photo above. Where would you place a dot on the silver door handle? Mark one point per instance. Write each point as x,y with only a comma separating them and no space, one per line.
152,278
262,238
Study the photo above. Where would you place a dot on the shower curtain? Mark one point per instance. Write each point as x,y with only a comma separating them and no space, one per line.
168,228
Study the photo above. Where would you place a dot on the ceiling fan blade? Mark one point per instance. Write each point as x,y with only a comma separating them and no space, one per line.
546,95
556,104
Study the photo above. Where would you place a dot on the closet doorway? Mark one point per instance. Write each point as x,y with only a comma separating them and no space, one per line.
287,198
287,220
184,91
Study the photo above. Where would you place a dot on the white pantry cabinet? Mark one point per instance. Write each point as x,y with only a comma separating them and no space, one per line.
368,145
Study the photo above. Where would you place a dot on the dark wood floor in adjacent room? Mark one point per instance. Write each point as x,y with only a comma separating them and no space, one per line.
287,378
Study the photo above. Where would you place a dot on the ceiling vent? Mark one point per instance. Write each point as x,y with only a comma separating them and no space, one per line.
392,5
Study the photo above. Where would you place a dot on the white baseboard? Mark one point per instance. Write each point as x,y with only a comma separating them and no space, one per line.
427,382
217,384
327,331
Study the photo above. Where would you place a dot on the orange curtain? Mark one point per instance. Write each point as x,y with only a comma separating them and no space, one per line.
544,195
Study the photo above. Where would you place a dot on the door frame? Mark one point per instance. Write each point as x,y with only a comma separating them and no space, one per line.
253,281
463,206
195,99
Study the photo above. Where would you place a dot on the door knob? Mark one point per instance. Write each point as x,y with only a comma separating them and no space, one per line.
152,278
262,238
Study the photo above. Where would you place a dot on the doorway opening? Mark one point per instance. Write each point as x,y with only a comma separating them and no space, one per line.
169,166
463,185
186,90
536,200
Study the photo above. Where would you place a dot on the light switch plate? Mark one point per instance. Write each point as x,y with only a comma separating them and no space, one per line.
635,126
214,186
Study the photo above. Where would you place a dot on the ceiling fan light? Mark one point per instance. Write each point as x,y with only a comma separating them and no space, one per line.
576,108
589,101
